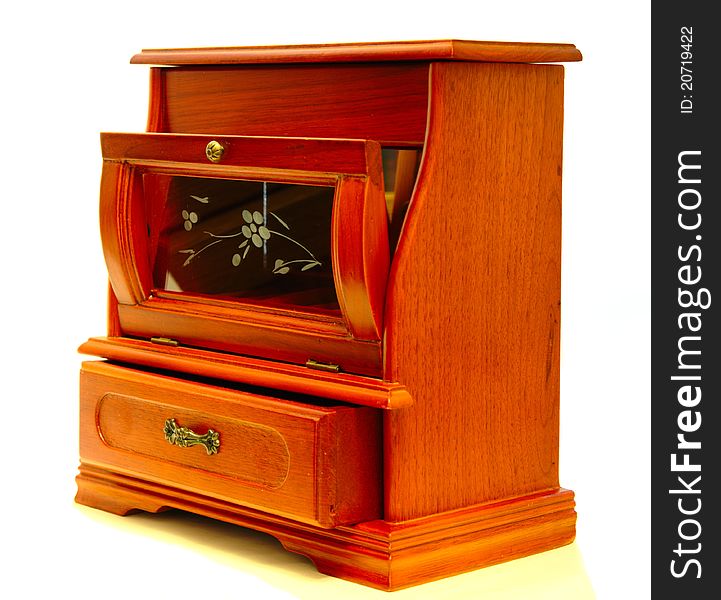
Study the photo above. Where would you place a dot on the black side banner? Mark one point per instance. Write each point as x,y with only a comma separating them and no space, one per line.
686,301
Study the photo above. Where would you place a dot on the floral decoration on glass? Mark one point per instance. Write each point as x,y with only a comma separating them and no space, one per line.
189,219
256,233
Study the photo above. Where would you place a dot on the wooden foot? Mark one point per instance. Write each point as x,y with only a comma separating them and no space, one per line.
392,556
388,556
115,498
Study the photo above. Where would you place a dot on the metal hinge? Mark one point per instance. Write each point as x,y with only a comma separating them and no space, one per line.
321,366
163,341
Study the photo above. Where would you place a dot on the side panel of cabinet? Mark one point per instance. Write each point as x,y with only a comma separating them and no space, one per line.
473,307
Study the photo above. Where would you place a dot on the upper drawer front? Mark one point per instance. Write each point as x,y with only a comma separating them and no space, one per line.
383,102
314,464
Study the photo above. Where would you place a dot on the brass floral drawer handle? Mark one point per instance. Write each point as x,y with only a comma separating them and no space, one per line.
185,438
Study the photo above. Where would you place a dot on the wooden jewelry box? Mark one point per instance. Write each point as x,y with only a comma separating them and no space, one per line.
335,303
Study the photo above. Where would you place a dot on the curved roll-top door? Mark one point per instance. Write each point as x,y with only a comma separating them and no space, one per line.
273,247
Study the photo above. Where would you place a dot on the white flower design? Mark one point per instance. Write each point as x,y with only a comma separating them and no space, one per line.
189,218
256,232
254,229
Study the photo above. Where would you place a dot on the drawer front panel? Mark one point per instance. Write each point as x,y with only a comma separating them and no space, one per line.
250,452
387,102
314,464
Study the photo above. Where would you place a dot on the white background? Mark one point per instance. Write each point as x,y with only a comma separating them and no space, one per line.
65,77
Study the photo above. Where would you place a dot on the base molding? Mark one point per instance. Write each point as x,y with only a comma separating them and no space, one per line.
388,556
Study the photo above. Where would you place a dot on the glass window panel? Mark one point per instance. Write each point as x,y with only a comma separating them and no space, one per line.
253,240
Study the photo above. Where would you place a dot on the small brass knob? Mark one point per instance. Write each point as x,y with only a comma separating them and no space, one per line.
214,151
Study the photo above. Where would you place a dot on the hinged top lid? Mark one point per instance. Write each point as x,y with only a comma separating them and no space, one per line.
365,52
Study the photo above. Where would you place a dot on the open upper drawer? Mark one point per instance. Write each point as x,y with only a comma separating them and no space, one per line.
264,246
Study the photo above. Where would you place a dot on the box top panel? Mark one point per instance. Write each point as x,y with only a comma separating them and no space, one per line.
464,50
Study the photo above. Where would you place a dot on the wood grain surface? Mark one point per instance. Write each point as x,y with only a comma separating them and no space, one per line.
281,153
343,387
383,555
382,102
472,315
465,50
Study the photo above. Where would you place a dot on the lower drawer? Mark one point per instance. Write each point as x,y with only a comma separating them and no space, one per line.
317,464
